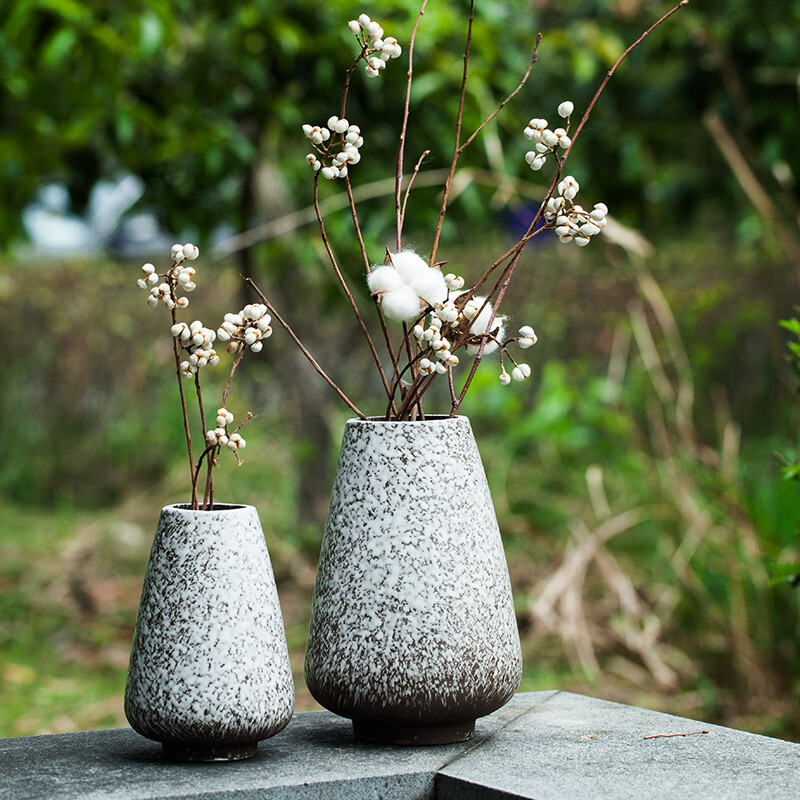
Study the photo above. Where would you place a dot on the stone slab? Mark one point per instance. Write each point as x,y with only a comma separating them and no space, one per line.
314,757
572,746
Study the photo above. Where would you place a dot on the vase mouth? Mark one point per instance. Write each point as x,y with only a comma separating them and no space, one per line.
217,507
429,418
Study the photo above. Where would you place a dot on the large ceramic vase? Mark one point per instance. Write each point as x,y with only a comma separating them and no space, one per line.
413,634
209,673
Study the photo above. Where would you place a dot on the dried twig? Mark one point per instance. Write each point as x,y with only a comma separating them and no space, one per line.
345,287
670,735
408,191
613,69
457,144
184,410
398,179
349,403
509,97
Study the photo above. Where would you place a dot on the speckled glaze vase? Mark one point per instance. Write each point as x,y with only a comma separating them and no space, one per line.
209,673
413,634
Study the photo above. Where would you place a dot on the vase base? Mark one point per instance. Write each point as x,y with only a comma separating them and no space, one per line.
412,735
216,752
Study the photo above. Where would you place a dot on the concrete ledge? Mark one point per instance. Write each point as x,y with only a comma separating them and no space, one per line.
542,746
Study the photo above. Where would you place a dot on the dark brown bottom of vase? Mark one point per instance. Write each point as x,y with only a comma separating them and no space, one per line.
218,752
413,735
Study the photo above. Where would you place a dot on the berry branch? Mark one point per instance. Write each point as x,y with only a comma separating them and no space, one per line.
442,322
245,330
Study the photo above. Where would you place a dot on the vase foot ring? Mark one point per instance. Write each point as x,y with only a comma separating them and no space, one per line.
413,735
216,752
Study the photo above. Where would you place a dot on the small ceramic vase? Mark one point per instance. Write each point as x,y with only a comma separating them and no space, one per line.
413,633
209,673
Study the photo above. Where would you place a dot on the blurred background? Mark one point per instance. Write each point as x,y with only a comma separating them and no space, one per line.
636,475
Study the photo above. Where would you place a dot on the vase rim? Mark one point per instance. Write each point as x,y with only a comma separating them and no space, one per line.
186,508
430,418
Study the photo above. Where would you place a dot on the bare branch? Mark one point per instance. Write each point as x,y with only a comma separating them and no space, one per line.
614,69
398,175
303,349
513,94
408,191
365,258
236,361
184,410
457,144
346,288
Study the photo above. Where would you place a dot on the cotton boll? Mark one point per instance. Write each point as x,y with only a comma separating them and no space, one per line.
480,324
481,321
409,265
491,345
401,304
384,279
426,281
429,285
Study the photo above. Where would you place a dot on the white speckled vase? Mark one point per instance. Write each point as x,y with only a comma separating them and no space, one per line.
209,673
413,634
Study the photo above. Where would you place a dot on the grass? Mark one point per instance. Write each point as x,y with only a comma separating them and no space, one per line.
58,672
634,482
69,590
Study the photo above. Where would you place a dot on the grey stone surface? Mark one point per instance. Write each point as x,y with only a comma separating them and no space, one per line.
541,746
314,757
578,747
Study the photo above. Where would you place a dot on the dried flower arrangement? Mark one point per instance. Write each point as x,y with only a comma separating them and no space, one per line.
442,322
193,349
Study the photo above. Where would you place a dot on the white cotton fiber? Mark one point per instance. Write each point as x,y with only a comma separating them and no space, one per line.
384,279
409,265
479,325
402,304
480,322
429,285
427,282
491,345
407,285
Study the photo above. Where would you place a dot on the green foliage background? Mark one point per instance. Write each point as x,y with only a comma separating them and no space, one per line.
191,95
204,100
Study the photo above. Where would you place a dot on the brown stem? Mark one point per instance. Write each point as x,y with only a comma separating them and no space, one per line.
510,97
200,401
247,417
365,257
208,494
451,386
509,272
407,342
395,383
614,69
388,341
411,364
236,361
203,429
532,232
414,174
457,145
411,361
345,287
303,349
398,175
414,395
670,735
205,454
343,110
356,224
187,432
